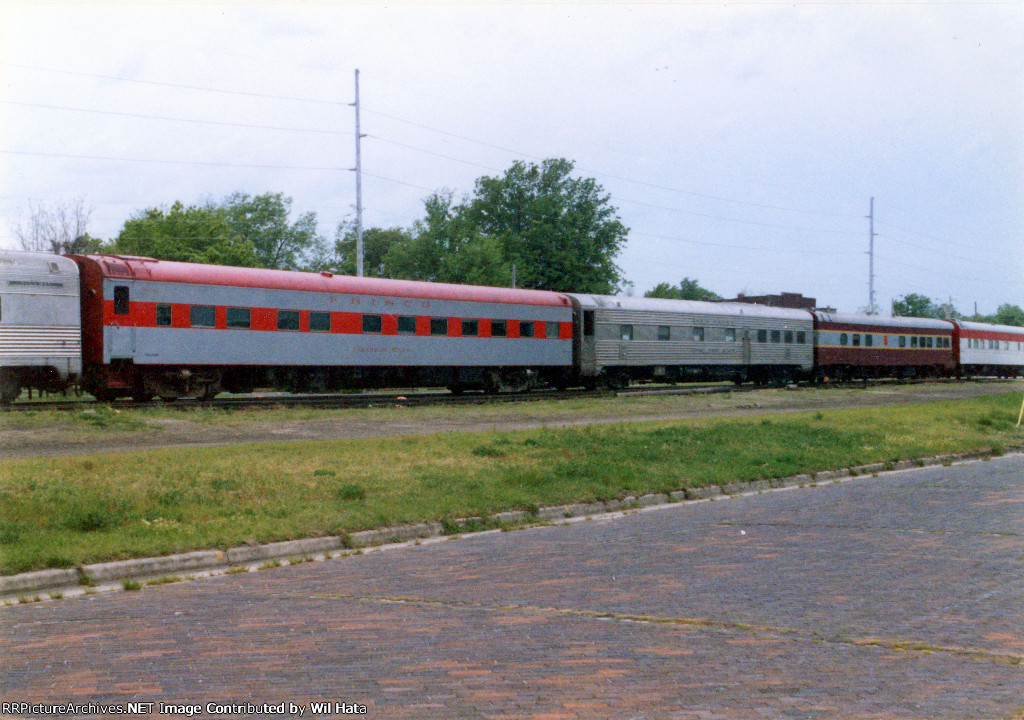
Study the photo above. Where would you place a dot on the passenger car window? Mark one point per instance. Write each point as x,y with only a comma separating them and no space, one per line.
499,328
202,316
762,336
730,334
626,332
698,334
844,339
525,329
287,319
788,337
406,325
438,326
664,332
163,315
373,324
319,322
801,337
776,336
553,330
470,328
120,299
238,318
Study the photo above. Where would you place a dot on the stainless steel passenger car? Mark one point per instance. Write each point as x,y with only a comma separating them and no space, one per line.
40,327
624,339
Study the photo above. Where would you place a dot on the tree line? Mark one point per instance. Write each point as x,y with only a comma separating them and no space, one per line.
536,223
917,305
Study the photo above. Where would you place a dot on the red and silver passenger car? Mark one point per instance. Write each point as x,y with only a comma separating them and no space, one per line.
175,329
849,346
982,349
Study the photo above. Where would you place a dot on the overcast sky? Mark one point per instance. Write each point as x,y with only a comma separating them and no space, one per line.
741,143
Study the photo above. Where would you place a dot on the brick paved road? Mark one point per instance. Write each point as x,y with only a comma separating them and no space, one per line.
900,596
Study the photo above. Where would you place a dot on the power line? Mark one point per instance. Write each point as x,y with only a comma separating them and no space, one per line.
743,247
171,162
179,86
610,175
170,118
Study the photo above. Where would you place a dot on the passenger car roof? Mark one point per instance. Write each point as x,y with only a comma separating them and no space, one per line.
696,307
138,268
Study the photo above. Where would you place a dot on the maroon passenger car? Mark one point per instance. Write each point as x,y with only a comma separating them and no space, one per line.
849,346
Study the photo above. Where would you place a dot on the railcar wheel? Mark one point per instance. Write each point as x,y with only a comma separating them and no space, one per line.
141,393
10,387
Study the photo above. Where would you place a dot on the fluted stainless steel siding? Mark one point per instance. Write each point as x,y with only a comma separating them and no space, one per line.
645,349
39,313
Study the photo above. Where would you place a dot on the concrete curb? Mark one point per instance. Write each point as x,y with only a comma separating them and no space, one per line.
17,586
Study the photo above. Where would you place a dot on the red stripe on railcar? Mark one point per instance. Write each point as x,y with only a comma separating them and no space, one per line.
143,315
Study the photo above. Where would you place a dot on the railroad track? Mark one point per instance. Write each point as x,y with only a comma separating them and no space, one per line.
416,398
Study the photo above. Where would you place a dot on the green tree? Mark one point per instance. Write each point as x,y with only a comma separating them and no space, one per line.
376,244
447,246
262,222
187,234
917,305
562,233
1009,315
688,289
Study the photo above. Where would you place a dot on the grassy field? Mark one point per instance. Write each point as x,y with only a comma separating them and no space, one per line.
62,512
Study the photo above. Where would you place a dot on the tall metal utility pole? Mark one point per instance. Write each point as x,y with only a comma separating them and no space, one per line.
359,188
872,308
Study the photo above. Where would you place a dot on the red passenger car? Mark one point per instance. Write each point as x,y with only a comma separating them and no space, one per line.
176,329
849,346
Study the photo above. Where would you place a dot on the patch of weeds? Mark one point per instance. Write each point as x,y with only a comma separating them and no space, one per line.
324,473
270,565
25,600
533,509
96,513
222,484
238,570
130,585
84,579
10,532
166,580
450,527
489,451
819,416
350,492
300,560
104,416
56,595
